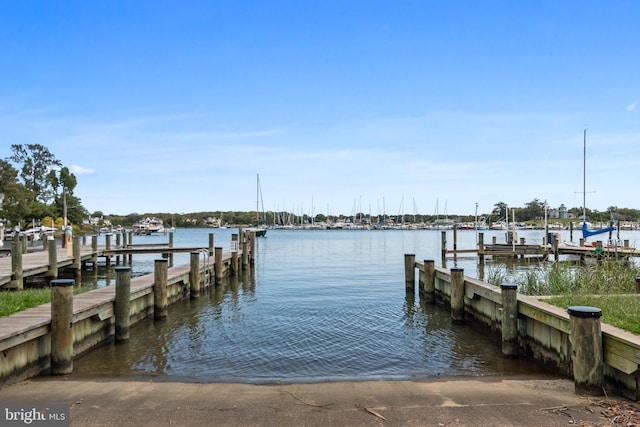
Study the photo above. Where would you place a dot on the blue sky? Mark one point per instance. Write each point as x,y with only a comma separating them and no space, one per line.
340,106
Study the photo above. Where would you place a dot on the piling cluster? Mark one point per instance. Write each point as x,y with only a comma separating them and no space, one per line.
587,356
62,337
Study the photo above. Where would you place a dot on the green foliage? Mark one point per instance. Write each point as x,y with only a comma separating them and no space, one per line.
609,277
17,202
609,286
496,276
40,194
36,162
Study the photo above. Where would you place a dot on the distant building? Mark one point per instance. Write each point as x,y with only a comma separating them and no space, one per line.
559,213
563,212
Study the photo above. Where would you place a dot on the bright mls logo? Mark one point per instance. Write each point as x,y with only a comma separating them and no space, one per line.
34,415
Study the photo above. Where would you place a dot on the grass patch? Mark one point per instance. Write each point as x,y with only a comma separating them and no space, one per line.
622,311
15,301
609,286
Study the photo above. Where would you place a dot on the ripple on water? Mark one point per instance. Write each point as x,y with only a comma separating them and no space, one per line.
321,306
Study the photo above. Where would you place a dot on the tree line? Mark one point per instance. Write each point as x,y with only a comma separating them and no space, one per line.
535,210
38,189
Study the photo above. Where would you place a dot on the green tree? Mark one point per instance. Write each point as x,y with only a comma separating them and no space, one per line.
499,208
8,174
532,210
16,203
62,181
35,163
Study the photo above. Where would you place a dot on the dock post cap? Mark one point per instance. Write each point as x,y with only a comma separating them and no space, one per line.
457,269
123,268
161,260
62,282
508,286
584,311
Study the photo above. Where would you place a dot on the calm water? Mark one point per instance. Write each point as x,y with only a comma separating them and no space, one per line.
321,305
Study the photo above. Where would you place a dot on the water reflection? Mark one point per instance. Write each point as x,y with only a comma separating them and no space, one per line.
318,306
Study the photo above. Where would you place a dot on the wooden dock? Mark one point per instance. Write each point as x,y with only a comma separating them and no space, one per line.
26,340
37,263
520,249
592,251
32,262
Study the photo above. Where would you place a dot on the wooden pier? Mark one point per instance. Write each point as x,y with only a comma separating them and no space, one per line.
45,261
15,268
26,341
519,249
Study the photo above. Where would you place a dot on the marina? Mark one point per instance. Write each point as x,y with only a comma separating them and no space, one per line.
318,305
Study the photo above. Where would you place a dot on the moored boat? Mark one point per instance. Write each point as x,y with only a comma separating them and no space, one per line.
148,225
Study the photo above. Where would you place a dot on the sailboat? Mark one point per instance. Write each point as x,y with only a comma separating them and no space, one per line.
260,227
585,228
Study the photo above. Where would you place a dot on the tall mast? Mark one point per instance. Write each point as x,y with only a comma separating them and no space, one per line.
584,178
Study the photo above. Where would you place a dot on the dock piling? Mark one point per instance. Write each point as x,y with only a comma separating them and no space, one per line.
122,303
455,242
586,350
218,265
457,295
16,265
160,300
252,247
245,255
234,255
53,260
509,294
429,280
62,326
77,261
117,246
171,246
409,272
194,275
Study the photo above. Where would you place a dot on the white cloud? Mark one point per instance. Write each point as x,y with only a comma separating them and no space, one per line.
631,107
81,170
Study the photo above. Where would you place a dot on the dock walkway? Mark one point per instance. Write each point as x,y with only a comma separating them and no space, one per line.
37,262
33,322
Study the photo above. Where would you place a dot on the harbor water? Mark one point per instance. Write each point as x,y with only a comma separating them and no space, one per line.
321,305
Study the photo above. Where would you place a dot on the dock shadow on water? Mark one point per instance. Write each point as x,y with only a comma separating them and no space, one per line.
320,306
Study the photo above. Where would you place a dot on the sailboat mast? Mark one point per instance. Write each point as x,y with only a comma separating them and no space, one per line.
257,197
584,178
